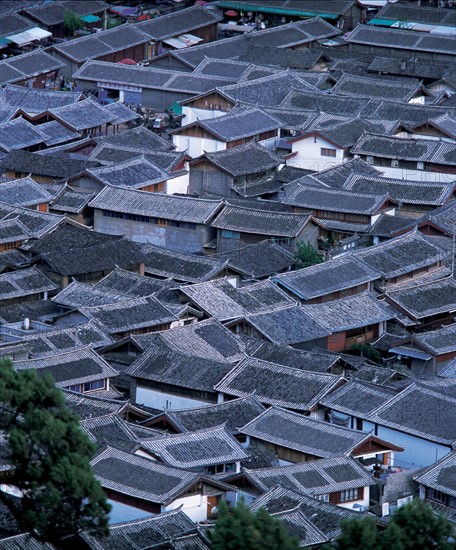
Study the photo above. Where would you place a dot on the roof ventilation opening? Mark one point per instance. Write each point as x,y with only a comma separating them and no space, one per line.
26,324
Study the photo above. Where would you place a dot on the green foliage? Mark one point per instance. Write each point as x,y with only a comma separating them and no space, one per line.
241,529
358,533
366,350
51,458
72,22
112,23
306,255
418,527
413,526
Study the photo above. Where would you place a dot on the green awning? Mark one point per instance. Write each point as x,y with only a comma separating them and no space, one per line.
90,18
381,22
245,6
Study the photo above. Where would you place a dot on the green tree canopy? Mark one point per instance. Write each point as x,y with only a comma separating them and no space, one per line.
241,529
306,255
72,22
413,526
50,456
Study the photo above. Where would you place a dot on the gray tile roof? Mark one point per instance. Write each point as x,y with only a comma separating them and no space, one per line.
110,154
260,222
181,22
197,449
88,406
59,340
27,65
140,477
57,133
304,434
336,176
410,149
411,113
146,78
169,207
77,295
75,250
424,300
354,311
83,115
402,40
242,124
44,165
44,311
132,535
36,223
230,69
110,430
419,14
125,283
332,276
130,314
445,218
402,191
324,516
24,192
24,282
70,200
69,368
324,103
250,158
314,361
135,173
266,91
122,113
440,476
258,260
179,370
422,412
11,231
222,301
233,413
346,133
362,86
36,100
298,525
438,341
54,13
181,267
401,255
18,134
313,198
102,43
304,31
208,339
277,384
389,226
13,23
288,325
139,138
357,399
317,477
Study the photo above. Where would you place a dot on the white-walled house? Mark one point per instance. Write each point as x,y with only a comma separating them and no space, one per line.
421,420
148,486
314,152
224,132
327,147
341,480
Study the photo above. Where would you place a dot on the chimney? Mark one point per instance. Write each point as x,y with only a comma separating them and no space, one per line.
26,324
